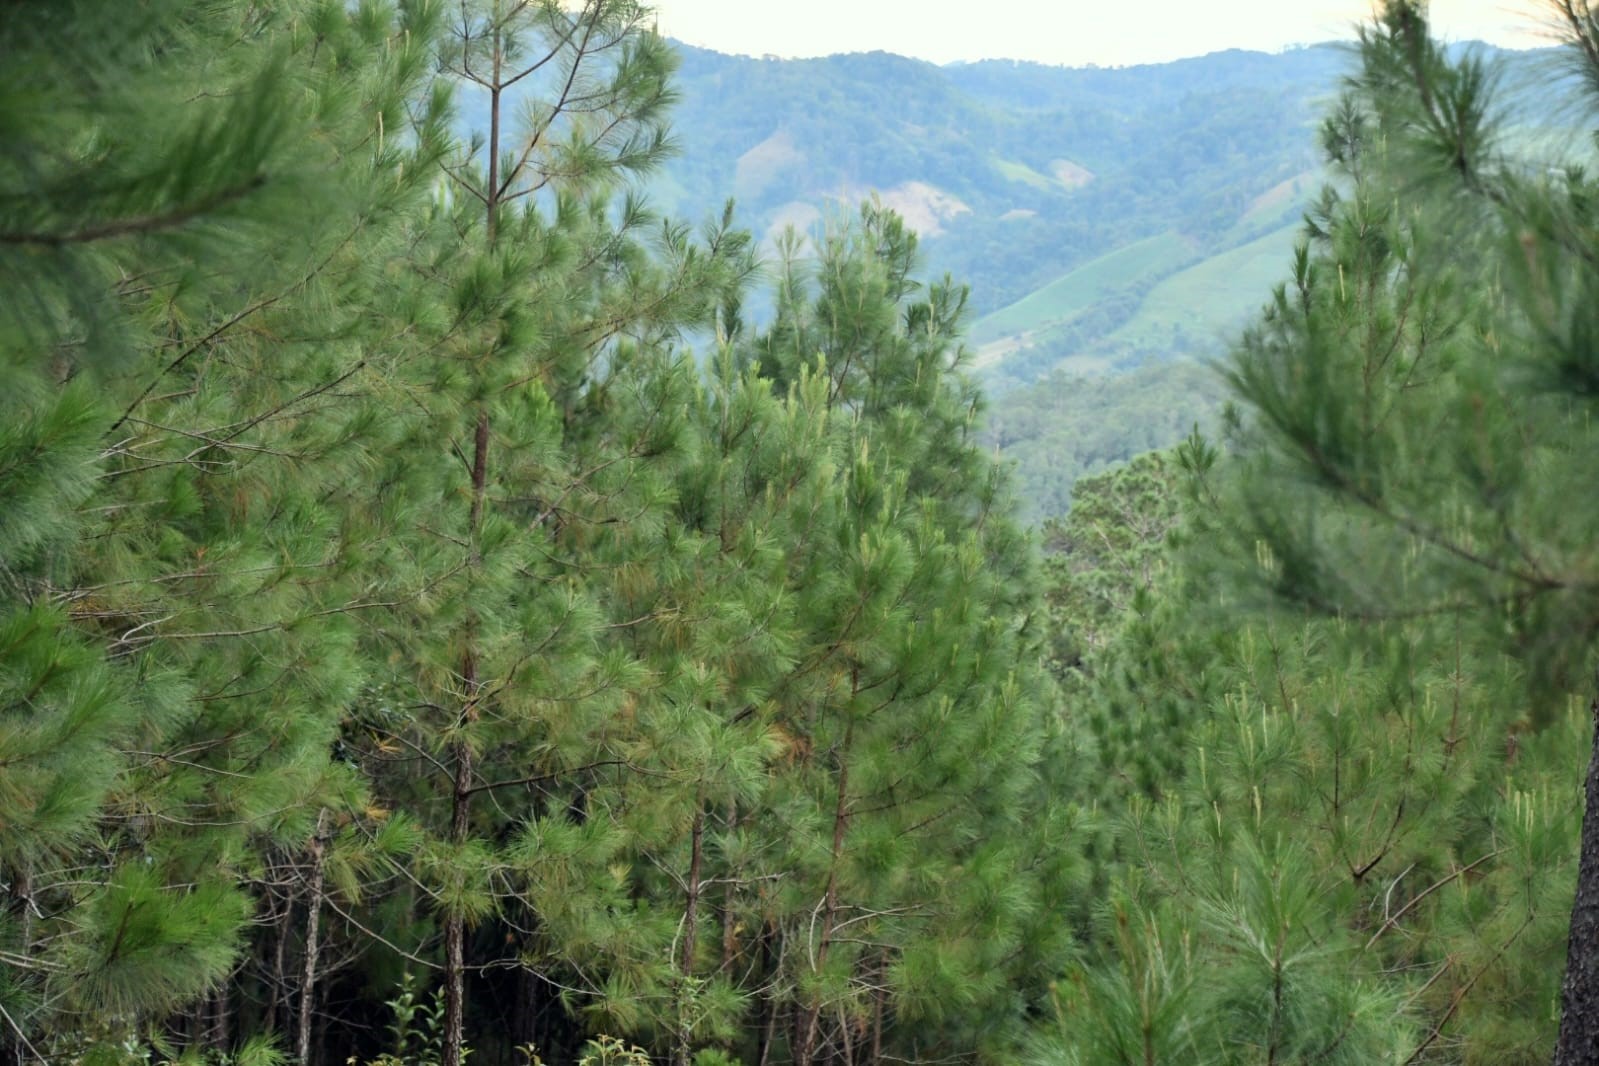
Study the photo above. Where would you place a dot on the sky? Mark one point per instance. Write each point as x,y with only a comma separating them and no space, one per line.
1072,32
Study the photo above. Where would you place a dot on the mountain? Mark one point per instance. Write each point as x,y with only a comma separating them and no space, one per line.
1015,174
1106,220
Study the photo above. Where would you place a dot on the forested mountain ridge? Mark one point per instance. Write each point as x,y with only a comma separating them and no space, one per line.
1013,173
1111,223
1104,218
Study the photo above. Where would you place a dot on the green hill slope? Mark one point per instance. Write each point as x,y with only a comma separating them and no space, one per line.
1199,307
1150,302
1115,226
1015,174
1074,292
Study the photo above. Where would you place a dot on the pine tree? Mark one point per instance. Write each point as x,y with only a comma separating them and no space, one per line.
185,189
1332,858
1102,557
911,721
543,401
1418,396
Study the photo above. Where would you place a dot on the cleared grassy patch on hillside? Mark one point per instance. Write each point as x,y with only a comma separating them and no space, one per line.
1212,298
1271,205
1072,293
1011,170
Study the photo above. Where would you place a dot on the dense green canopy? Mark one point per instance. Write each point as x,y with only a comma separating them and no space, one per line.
439,620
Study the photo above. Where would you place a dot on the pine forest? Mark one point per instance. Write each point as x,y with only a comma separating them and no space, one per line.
460,601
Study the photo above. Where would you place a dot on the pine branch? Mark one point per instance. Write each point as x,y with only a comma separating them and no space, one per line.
1429,890
1461,994
141,224
536,778
259,305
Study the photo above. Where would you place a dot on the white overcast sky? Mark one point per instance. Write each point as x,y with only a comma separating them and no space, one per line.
1074,32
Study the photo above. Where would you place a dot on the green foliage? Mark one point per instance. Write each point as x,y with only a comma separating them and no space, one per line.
161,710
142,945
1362,673
1319,836
387,588
1067,428
1431,472
1106,554
891,681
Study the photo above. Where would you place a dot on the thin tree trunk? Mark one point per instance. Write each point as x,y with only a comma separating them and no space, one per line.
454,921
465,771
807,1032
691,905
280,981
492,193
729,894
13,1042
222,1017
1578,1043
877,1013
23,891
455,924
768,1000
313,920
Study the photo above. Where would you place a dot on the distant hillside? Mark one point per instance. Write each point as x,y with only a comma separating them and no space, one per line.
1016,174
1116,226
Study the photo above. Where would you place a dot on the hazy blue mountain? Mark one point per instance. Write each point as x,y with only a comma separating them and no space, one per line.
1015,173
1107,220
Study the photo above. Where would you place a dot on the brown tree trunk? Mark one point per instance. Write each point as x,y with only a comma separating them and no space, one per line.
769,1007
454,921
1578,1043
455,924
877,1014
465,771
729,898
14,1047
806,1033
691,908
313,921
220,1037
276,1012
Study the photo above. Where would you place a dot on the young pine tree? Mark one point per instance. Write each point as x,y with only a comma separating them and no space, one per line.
186,189
912,717
542,404
1418,398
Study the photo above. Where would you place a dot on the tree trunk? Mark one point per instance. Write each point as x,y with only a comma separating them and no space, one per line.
1578,1044
769,1003
460,809
729,898
877,1014
276,1018
454,921
455,924
685,1011
14,1045
313,920
220,1037
807,1032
